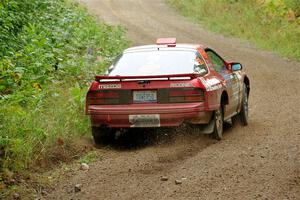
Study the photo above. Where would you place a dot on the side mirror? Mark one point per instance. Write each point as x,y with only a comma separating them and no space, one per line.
236,66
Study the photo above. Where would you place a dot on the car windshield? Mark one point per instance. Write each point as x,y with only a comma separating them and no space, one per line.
156,62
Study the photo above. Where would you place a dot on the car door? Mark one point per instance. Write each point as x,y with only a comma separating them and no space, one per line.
230,79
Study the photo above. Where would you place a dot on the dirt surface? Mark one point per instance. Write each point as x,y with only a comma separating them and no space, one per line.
260,161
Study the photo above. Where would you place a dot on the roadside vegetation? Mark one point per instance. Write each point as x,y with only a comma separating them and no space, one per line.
50,51
269,24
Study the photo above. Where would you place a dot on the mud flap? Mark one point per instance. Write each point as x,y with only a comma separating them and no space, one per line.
208,128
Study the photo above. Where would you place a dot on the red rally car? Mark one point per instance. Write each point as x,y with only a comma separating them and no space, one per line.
168,84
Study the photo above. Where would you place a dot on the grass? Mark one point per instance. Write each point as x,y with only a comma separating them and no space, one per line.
50,51
272,25
89,157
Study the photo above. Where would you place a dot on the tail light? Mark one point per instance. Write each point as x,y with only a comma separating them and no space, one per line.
186,95
123,97
104,97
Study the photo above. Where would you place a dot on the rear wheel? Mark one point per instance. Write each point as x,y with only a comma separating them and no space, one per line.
219,121
103,135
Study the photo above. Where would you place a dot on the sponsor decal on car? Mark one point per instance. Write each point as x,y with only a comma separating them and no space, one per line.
179,85
110,86
211,84
241,83
238,74
228,76
212,81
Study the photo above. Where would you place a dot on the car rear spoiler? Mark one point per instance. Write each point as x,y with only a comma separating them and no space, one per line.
120,78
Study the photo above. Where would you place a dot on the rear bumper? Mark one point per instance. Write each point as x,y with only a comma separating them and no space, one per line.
120,116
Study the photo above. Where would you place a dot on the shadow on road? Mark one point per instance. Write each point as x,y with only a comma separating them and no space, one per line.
144,137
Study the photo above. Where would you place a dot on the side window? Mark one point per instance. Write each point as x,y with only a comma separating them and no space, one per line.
218,63
199,65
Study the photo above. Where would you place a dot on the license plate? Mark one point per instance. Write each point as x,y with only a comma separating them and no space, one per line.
144,96
152,120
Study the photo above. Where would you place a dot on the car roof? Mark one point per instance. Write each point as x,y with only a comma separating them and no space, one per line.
155,47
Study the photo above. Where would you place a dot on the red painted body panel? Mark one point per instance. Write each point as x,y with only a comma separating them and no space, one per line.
170,114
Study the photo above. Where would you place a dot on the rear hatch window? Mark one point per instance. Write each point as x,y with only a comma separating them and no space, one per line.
157,62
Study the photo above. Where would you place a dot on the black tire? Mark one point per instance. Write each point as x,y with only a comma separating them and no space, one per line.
219,122
103,135
243,115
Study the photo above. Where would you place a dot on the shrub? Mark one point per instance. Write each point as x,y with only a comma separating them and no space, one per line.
49,52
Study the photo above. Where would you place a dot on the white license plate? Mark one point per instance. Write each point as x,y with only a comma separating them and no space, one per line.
152,120
144,96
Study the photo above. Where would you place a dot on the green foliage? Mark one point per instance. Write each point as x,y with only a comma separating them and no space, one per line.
50,51
270,24
89,157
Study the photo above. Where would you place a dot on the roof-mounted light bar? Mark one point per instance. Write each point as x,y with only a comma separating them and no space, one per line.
171,42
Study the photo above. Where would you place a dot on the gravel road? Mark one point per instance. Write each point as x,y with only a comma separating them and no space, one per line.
260,161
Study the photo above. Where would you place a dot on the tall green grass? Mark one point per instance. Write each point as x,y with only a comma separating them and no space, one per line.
50,51
269,24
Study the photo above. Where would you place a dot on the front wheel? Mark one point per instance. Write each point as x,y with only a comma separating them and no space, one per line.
243,115
218,127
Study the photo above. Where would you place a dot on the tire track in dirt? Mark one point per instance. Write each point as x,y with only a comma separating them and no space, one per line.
261,161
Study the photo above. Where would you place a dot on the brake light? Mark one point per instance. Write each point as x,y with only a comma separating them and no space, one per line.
186,95
194,98
170,42
110,95
103,97
182,92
